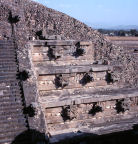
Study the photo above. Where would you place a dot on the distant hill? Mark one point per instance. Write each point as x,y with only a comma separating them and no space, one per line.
106,26
121,27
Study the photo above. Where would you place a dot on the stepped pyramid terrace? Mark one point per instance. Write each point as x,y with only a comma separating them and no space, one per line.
60,79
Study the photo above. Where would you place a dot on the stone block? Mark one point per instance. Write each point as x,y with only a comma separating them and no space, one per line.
85,43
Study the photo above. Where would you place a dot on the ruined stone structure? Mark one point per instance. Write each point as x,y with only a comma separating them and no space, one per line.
60,77
76,93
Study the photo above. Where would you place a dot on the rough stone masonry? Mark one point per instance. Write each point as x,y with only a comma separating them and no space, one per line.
71,79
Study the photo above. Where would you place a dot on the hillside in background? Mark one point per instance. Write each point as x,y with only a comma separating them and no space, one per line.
111,27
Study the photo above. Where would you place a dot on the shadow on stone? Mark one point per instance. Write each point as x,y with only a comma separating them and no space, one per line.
109,78
53,54
65,113
124,137
79,51
30,111
31,137
23,76
95,109
39,35
86,79
60,81
122,105
13,20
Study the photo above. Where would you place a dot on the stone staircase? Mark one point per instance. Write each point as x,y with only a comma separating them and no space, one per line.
12,121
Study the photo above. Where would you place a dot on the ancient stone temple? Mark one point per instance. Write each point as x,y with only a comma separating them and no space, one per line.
61,79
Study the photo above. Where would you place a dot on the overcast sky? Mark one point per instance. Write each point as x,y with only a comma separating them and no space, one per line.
100,12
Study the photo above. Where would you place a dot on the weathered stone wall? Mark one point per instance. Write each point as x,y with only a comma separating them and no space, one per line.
75,94
84,116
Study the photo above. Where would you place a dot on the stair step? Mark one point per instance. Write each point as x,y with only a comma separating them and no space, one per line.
12,123
12,129
8,100
7,76
10,106
6,41
7,134
14,110
9,139
11,102
10,43
19,117
6,73
5,57
13,120
14,99
7,86
14,95
13,83
2,80
4,53
7,60
5,112
6,44
8,50
13,113
8,90
7,68
7,63
11,96
6,140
